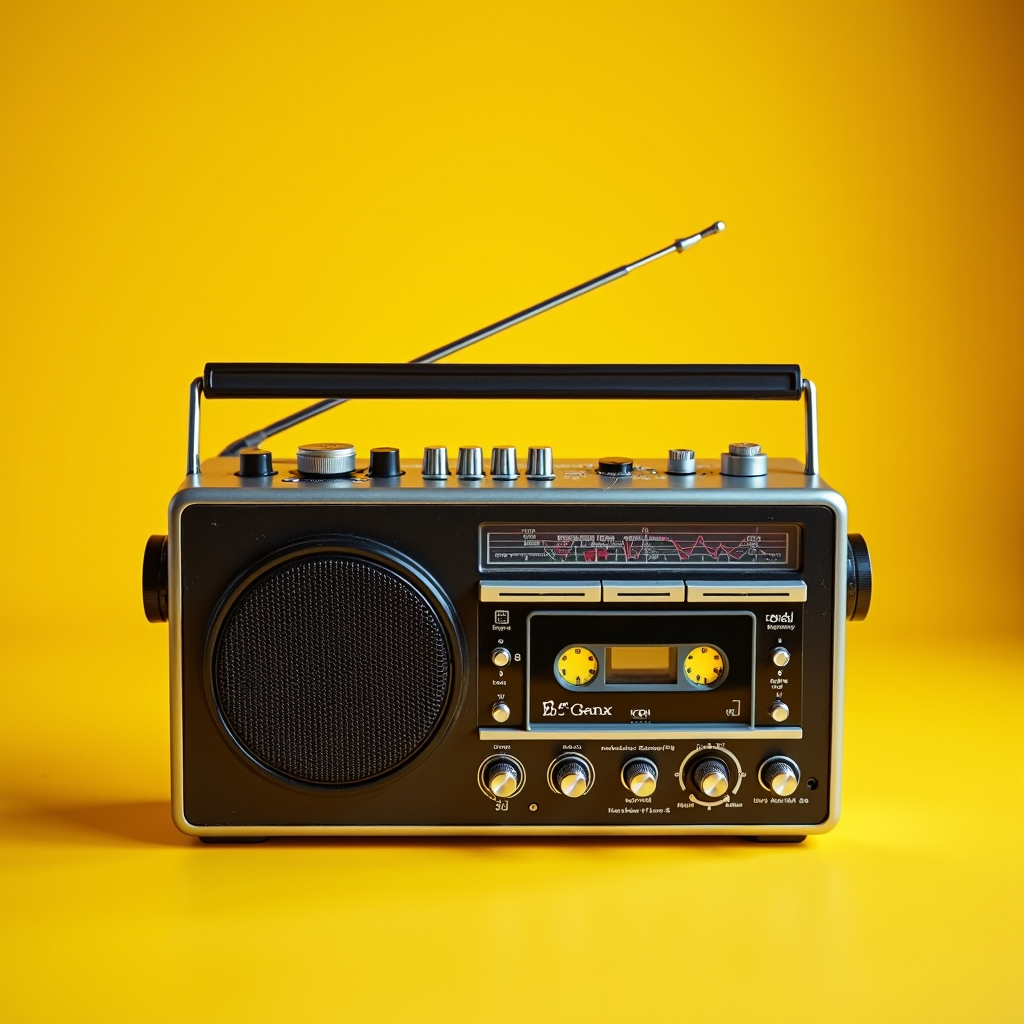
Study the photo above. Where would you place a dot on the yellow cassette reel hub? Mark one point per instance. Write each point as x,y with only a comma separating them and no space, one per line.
704,666
577,666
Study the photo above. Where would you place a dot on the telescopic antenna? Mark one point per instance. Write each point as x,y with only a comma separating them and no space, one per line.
679,245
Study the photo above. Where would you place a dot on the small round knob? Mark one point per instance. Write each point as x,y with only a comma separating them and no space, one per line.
780,775
744,458
384,462
255,462
539,464
682,462
613,465
711,777
503,778
779,711
471,463
333,458
640,776
500,712
435,462
500,656
572,777
504,465
781,657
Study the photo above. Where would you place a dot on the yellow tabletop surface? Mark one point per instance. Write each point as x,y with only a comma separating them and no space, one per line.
182,182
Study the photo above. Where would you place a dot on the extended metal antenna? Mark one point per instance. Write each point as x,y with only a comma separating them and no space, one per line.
679,245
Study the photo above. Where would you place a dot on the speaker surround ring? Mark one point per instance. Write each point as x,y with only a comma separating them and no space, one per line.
333,663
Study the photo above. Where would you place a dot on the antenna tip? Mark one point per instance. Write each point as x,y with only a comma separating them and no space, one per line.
720,225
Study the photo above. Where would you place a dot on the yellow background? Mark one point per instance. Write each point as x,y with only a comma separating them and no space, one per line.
365,181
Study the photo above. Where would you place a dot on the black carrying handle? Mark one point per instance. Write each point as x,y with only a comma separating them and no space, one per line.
779,381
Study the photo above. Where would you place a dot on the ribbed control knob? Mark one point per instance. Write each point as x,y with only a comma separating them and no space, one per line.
471,464
682,462
711,777
504,465
540,464
333,458
640,776
780,775
384,462
779,711
435,463
503,778
572,777
744,458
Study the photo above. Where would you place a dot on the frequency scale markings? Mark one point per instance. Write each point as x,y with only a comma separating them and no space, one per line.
630,545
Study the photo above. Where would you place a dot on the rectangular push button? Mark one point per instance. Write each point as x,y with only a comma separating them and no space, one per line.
643,591
746,591
540,593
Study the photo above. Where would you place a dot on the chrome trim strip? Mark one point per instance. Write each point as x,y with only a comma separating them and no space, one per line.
546,592
711,593
195,393
641,734
639,591
505,830
810,428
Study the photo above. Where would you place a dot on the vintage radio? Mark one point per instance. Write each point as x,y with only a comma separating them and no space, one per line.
461,645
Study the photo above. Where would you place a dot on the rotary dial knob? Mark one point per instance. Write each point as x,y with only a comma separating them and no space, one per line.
500,656
640,776
503,778
572,777
780,775
712,777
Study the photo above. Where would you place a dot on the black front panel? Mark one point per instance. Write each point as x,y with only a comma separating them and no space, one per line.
438,782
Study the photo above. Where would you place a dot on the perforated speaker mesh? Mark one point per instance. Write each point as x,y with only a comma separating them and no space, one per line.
332,669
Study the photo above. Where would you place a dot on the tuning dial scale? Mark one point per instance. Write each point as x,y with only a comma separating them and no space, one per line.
571,775
501,777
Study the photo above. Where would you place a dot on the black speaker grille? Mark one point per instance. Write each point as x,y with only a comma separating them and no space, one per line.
332,669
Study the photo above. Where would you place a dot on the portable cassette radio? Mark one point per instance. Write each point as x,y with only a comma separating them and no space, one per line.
464,645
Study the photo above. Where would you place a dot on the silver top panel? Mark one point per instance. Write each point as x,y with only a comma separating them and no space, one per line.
576,481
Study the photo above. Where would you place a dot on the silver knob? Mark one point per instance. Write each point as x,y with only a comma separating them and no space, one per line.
333,458
712,778
780,775
435,463
682,462
572,777
502,778
539,464
779,711
471,464
500,656
781,657
640,776
744,458
503,463
500,712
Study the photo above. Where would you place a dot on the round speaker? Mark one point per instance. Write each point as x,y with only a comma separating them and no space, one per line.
333,666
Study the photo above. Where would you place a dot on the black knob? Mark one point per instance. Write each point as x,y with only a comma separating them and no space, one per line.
154,578
255,462
858,578
612,465
384,462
